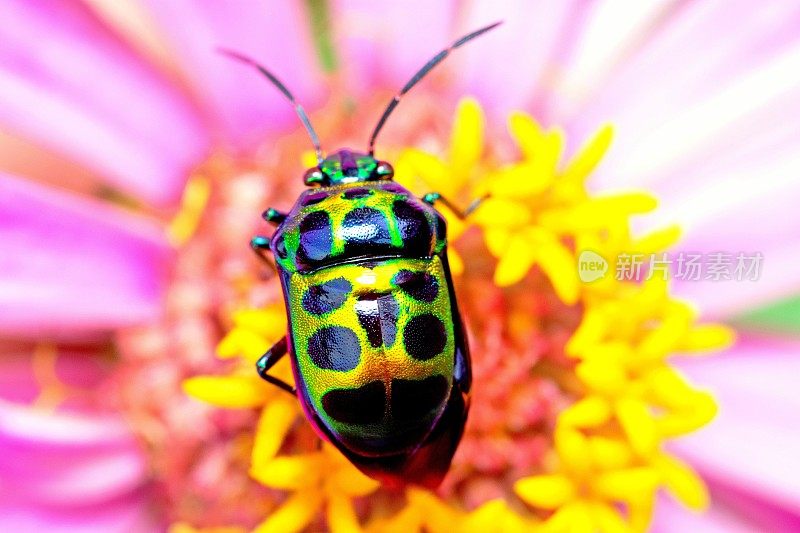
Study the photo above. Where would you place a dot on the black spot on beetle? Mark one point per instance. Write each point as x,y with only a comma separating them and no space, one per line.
357,192
415,399
326,297
335,348
414,228
421,286
364,405
377,314
316,238
365,230
424,336
314,198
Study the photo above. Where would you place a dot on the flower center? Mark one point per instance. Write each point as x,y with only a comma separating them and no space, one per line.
571,394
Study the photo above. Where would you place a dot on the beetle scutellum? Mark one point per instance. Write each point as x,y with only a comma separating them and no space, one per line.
378,349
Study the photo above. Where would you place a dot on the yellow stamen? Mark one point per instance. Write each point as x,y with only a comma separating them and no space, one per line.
235,392
466,143
546,492
193,204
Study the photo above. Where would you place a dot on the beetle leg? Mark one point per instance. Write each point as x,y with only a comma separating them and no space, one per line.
274,216
260,246
269,359
432,197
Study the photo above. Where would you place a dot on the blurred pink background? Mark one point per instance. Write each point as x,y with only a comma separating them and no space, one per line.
109,109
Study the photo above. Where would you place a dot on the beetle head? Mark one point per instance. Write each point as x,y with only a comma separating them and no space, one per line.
346,166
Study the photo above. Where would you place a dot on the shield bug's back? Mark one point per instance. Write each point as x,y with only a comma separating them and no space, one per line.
377,345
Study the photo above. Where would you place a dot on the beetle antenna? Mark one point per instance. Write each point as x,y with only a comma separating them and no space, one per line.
282,88
435,60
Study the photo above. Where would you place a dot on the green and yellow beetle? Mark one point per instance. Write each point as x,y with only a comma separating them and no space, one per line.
379,353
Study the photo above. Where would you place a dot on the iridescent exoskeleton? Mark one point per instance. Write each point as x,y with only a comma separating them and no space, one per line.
378,349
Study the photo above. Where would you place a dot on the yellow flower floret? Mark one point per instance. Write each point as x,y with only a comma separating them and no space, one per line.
253,333
323,478
609,442
426,512
530,207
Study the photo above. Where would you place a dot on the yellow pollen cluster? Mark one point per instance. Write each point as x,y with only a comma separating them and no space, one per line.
607,460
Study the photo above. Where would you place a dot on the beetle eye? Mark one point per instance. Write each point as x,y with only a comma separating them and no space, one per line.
313,177
384,171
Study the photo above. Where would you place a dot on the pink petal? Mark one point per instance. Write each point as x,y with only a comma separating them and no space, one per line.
71,264
125,515
670,517
738,201
611,30
685,82
68,458
709,137
516,65
82,368
382,43
752,445
69,472
729,513
778,278
743,118
60,458
277,34
67,469
718,201
70,84
17,380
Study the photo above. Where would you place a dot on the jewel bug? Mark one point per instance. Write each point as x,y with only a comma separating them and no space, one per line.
378,349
